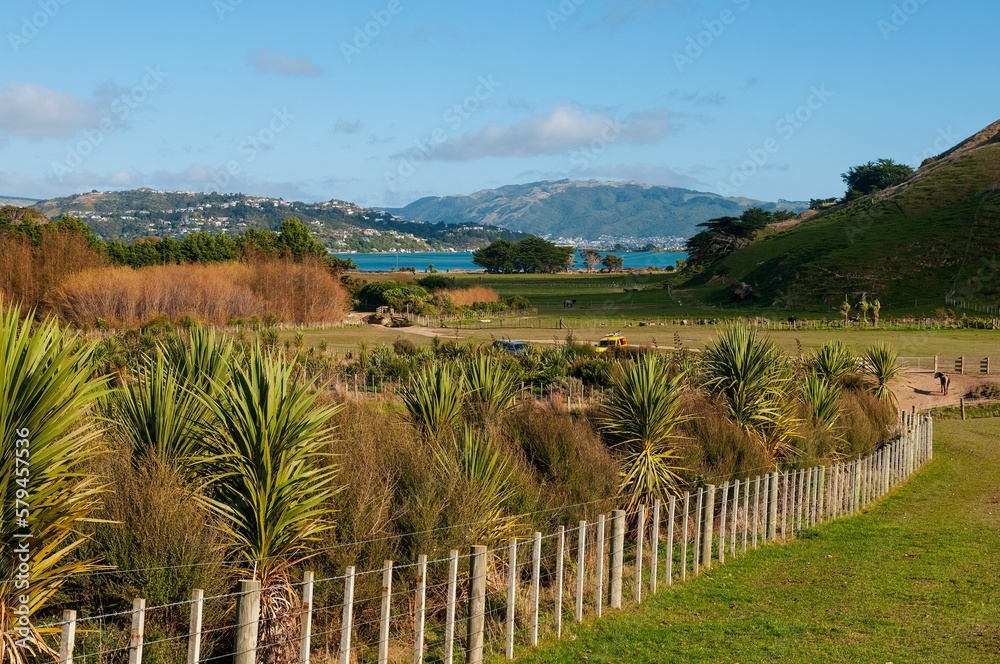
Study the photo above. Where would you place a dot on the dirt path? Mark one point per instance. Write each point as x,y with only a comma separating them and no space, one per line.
922,390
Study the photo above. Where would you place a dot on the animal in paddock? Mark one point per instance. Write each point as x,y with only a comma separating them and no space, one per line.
569,304
945,381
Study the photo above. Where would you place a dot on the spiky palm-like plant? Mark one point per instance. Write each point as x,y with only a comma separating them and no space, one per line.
820,397
881,364
272,478
272,472
643,412
481,467
749,373
834,362
203,362
47,447
158,416
845,311
433,400
491,387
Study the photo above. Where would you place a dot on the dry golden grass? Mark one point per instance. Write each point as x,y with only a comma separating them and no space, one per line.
468,296
215,294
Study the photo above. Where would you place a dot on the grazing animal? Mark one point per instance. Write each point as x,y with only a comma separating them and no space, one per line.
569,304
793,321
945,381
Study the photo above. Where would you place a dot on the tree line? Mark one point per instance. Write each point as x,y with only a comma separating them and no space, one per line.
293,238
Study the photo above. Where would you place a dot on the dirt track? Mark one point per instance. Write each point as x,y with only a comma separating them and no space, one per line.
922,390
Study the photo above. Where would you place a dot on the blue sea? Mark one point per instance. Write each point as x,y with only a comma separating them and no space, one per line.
446,261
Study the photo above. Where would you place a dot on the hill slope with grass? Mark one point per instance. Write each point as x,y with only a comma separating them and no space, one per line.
910,580
934,237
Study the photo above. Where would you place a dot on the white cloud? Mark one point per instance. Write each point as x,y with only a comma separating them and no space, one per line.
266,61
35,111
564,128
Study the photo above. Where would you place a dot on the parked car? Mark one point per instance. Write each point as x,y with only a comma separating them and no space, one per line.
512,347
615,340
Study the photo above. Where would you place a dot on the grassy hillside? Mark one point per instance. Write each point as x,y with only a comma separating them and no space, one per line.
913,580
936,235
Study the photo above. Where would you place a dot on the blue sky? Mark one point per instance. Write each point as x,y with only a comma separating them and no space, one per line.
384,101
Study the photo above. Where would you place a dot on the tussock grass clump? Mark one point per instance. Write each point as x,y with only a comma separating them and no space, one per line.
466,297
215,293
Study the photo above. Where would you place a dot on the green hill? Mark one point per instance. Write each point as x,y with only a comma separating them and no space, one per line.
932,240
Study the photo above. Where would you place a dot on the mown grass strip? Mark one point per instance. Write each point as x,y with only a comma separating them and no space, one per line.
915,579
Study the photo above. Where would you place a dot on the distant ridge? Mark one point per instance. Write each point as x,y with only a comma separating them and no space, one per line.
586,209
19,202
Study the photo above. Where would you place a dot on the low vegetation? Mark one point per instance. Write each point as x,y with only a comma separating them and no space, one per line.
282,470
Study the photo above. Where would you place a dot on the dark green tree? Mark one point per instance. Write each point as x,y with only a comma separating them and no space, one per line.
613,263
874,176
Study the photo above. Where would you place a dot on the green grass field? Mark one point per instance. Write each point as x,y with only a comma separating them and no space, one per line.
915,579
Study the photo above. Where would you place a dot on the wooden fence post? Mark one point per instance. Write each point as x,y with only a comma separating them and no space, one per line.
772,508
696,545
617,557
654,548
386,613
194,637
735,519
347,617
746,512
421,610
247,619
684,535
477,604
599,599
708,517
138,631
670,540
67,637
449,625
756,508
560,564
722,524
536,575
511,597
784,508
581,569
639,535
305,641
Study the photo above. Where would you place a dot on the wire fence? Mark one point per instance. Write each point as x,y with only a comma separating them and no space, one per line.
491,603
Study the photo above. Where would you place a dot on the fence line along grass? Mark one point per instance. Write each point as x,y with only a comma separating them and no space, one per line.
913,580
491,604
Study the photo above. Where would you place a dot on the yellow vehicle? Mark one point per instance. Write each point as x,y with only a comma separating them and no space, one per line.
615,340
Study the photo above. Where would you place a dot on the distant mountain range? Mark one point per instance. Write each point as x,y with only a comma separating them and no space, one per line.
587,210
18,202
341,226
